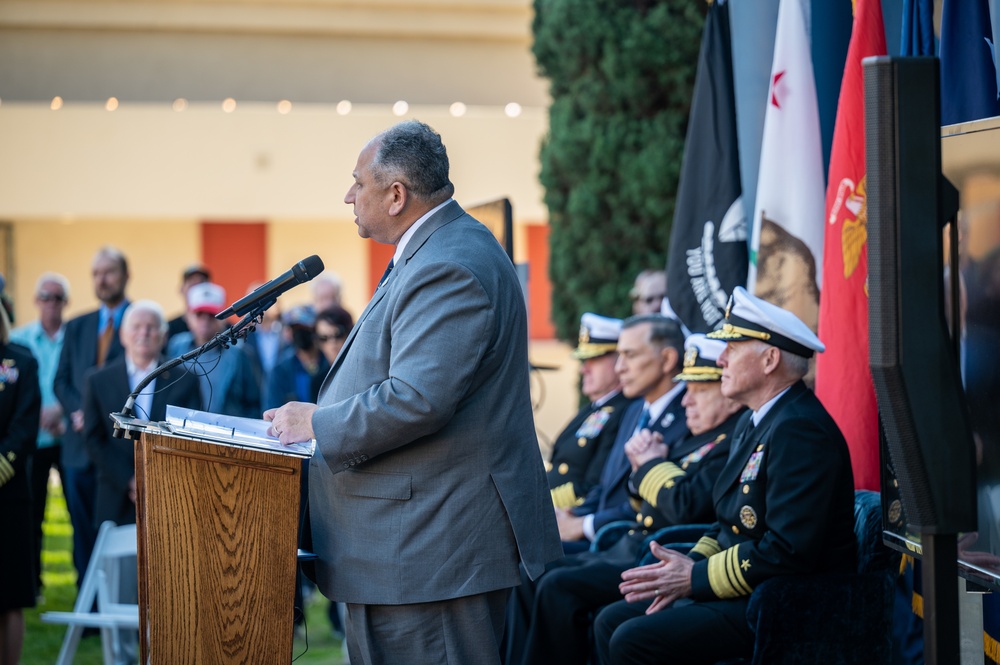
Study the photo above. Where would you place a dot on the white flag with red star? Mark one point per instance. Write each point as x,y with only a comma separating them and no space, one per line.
786,248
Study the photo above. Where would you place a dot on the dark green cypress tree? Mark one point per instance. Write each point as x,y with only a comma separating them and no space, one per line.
621,75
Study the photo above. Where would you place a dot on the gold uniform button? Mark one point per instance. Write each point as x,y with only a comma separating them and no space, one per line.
638,517
563,469
746,489
582,442
736,529
648,521
548,466
760,447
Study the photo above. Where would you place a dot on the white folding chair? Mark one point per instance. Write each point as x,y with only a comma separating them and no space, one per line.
101,584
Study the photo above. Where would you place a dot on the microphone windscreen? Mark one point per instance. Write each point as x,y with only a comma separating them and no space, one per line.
312,266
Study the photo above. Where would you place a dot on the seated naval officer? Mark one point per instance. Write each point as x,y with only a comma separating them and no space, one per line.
650,348
672,484
580,451
784,505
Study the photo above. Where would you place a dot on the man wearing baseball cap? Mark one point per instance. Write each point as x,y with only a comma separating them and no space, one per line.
784,505
228,383
581,449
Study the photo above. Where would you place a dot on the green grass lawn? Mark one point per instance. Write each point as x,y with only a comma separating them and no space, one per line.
42,640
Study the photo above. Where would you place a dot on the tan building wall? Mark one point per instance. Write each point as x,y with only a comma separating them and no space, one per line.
143,176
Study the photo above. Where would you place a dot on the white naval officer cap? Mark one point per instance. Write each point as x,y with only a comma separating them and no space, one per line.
749,317
598,336
700,356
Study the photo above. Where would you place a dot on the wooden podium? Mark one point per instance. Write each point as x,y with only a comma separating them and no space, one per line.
217,532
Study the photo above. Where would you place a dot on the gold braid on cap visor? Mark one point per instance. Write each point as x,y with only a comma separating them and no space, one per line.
729,331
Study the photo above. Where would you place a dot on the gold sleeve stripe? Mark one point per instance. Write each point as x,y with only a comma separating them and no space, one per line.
635,503
656,479
726,576
6,471
565,497
707,547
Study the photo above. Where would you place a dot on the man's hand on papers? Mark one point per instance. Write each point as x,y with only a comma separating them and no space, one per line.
292,422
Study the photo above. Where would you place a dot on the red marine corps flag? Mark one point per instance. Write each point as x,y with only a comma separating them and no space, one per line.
843,379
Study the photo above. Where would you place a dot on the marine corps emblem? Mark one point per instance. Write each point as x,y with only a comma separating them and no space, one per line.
850,206
748,517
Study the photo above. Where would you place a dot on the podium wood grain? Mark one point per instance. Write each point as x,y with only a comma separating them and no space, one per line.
217,543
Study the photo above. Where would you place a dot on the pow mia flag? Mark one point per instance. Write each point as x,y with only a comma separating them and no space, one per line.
708,243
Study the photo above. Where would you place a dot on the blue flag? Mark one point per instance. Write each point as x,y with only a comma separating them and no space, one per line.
708,242
968,62
918,28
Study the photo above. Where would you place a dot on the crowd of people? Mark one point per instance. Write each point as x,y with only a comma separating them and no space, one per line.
59,380
432,514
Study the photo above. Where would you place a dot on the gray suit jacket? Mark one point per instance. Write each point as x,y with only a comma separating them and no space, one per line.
427,483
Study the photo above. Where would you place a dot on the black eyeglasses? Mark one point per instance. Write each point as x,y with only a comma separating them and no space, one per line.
323,339
649,300
46,297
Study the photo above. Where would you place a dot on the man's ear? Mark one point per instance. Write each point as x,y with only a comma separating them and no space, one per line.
771,358
398,197
670,359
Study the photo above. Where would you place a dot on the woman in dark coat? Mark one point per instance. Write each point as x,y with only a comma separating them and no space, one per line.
20,409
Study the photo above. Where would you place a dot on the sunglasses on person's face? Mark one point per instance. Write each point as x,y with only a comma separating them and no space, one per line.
323,339
48,297
648,300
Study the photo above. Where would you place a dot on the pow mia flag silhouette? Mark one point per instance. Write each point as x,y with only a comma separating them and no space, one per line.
708,242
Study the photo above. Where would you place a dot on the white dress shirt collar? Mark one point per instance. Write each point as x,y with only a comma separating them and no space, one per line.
401,245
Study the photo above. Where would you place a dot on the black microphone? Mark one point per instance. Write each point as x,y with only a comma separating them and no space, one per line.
301,272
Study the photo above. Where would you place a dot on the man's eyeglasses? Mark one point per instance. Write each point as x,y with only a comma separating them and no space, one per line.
648,300
48,297
323,339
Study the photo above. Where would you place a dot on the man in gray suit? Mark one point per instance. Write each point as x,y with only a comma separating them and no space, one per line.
427,487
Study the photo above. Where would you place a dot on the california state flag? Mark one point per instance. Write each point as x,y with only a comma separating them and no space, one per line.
843,379
786,248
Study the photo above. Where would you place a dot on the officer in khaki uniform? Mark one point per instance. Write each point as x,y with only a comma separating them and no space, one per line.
784,505
670,485
580,451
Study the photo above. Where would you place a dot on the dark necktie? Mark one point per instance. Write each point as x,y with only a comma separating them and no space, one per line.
385,275
643,419
739,445
104,341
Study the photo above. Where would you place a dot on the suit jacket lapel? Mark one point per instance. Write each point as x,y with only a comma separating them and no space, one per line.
617,462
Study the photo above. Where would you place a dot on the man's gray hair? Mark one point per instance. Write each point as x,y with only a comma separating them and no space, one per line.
145,306
55,278
663,331
795,365
326,277
413,154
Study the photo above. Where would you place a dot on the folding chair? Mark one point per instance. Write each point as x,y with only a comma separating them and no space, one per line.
100,584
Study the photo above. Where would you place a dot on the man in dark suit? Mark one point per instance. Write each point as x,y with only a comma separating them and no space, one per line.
426,489
650,349
674,484
143,332
90,340
581,449
784,505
